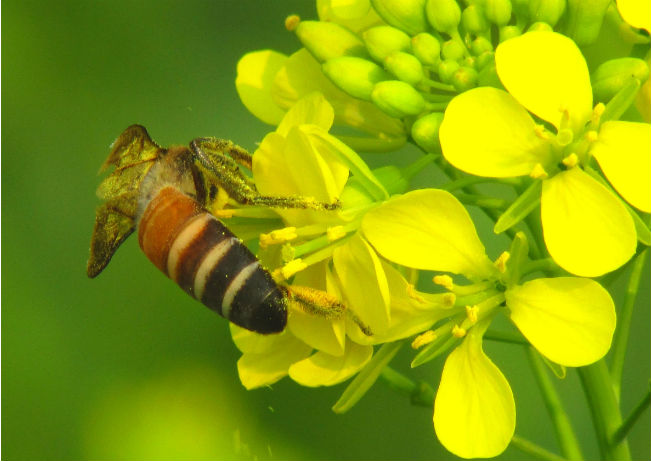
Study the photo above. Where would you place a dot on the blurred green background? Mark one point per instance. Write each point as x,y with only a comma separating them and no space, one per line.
127,366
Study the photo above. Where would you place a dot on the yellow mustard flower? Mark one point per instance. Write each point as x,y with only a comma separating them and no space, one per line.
488,132
569,320
323,350
269,83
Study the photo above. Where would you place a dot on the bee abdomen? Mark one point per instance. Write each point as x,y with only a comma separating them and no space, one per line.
200,254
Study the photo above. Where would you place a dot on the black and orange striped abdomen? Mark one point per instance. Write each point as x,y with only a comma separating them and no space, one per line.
200,254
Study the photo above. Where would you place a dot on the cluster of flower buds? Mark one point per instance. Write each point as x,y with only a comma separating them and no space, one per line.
419,54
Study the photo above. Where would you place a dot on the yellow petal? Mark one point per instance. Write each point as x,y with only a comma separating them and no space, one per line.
570,320
486,132
311,109
269,164
255,75
636,12
411,312
474,411
587,229
363,283
623,151
327,335
323,334
263,369
248,341
547,74
321,369
428,229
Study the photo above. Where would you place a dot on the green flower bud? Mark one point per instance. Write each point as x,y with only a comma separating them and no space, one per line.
446,69
425,131
549,11
480,45
405,67
452,49
498,11
327,40
613,75
381,41
484,59
540,27
508,32
464,78
488,77
356,76
584,19
473,19
398,99
406,15
443,15
468,61
426,48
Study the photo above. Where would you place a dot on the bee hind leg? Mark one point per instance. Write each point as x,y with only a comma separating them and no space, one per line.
322,304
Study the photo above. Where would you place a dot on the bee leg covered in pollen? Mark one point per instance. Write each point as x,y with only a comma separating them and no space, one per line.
322,304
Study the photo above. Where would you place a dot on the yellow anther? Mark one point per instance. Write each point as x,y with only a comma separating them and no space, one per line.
423,339
471,313
413,294
448,299
277,236
224,213
335,233
591,136
291,22
458,332
290,269
571,160
500,262
538,172
597,112
541,132
444,280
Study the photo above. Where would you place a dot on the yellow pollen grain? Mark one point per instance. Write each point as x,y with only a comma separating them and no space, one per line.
444,280
413,294
423,339
292,268
291,22
538,172
335,233
458,332
571,160
500,262
471,313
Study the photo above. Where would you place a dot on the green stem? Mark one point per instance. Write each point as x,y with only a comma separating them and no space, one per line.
420,392
620,340
533,449
467,181
605,410
564,431
620,434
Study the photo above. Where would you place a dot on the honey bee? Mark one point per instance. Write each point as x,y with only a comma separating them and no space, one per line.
165,194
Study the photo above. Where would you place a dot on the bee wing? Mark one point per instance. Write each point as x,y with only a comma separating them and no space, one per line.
133,146
112,226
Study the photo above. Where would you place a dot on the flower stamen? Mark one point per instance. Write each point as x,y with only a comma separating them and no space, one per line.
538,172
